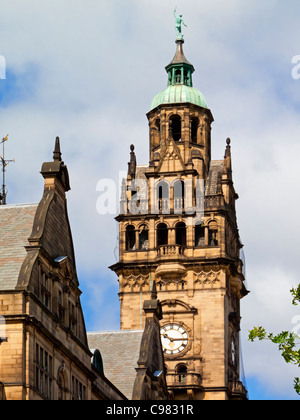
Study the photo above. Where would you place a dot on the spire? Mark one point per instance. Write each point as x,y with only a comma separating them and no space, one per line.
180,70
56,171
57,152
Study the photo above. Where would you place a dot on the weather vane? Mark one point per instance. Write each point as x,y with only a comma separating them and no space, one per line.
178,22
5,163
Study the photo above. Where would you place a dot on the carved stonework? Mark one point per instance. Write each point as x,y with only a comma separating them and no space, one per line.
207,279
134,283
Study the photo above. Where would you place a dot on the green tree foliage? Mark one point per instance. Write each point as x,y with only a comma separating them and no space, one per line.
286,341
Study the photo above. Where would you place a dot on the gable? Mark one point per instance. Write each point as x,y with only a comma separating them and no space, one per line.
171,159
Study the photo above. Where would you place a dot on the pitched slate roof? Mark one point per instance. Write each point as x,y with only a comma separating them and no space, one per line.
216,168
15,228
120,351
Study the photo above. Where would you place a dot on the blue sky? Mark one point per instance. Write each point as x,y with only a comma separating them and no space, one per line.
87,71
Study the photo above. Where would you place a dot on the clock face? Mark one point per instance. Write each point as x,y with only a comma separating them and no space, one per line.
174,339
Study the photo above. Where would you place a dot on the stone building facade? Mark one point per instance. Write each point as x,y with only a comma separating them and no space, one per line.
45,354
178,227
44,348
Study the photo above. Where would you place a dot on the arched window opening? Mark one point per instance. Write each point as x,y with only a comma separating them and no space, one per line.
162,234
178,76
194,130
163,196
130,238
178,196
181,234
199,235
213,234
182,373
144,238
176,127
186,77
97,361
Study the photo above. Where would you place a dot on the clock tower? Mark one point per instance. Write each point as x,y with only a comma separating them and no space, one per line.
178,228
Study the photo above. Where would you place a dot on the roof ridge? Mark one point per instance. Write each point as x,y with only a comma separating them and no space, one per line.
9,206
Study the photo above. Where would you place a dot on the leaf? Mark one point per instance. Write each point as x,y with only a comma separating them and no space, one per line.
257,332
297,385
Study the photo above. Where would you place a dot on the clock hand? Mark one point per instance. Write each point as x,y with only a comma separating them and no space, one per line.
174,339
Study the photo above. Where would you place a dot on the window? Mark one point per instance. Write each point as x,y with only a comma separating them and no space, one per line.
163,197
178,197
61,309
45,294
130,238
43,372
144,238
175,121
72,317
162,234
180,234
199,235
182,373
194,130
213,234
78,390
178,76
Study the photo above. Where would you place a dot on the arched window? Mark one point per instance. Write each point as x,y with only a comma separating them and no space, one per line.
186,77
194,130
163,196
182,373
213,234
199,235
178,77
144,238
180,234
176,127
130,238
178,196
97,361
162,234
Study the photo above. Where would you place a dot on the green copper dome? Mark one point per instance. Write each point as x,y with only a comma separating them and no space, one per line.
179,94
180,84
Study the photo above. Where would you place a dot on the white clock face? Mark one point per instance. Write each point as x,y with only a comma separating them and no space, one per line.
174,339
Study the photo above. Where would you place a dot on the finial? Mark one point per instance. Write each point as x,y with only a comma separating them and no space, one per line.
228,148
57,152
154,291
132,163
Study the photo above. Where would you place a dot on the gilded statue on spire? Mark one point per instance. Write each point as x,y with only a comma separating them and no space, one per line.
179,21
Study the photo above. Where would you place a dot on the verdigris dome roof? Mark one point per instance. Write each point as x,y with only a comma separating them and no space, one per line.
179,94
180,85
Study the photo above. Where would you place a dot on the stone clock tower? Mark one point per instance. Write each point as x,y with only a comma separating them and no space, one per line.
178,232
